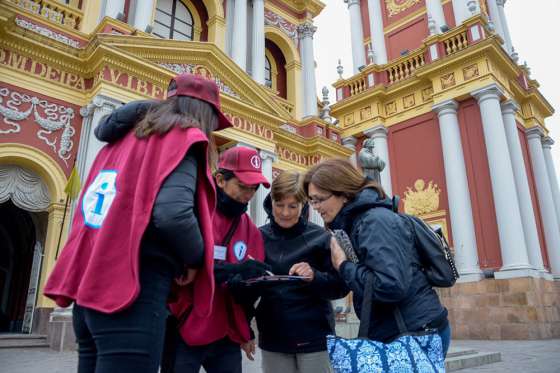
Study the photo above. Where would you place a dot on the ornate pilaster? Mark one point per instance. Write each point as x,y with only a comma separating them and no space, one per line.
306,31
377,33
546,200
379,136
509,108
356,34
460,210
258,50
515,260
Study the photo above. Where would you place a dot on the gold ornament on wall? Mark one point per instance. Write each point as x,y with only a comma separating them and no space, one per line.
470,72
396,6
409,101
391,108
422,200
448,80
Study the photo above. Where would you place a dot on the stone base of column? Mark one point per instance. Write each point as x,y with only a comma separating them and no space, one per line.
471,276
61,335
517,272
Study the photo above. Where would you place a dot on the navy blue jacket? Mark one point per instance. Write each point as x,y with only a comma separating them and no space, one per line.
383,242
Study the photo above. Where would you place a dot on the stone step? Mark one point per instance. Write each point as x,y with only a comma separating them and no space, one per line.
471,360
23,341
459,351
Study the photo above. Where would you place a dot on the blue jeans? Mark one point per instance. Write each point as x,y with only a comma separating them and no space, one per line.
445,335
127,341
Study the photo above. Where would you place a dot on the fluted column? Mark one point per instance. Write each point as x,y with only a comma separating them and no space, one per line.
379,136
258,53
143,14
515,260
350,143
356,34
459,199
377,33
460,11
546,201
505,28
306,31
239,42
258,214
547,150
113,8
435,9
522,185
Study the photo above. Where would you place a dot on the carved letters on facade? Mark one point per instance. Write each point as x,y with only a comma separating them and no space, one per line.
470,72
448,80
422,200
51,118
394,7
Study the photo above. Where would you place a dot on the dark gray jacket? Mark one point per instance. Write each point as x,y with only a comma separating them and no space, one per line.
383,242
172,239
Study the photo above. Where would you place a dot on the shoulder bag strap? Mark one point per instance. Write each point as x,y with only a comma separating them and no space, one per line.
231,231
365,314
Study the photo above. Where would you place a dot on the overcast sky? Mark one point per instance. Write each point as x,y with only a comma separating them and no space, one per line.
533,27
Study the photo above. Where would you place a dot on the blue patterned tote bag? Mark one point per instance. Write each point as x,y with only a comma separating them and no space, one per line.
409,353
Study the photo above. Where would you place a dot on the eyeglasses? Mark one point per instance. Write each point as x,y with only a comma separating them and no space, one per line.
318,200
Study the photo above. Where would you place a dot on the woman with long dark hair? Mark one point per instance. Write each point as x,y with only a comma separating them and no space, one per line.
143,219
384,245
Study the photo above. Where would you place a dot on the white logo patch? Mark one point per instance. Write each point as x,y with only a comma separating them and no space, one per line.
256,161
240,250
99,197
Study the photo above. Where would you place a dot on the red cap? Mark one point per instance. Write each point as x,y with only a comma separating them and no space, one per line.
246,165
198,87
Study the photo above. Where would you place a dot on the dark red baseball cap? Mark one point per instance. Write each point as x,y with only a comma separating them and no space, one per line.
246,165
203,89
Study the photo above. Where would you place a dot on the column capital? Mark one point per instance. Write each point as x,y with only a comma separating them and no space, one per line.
491,91
547,142
350,142
306,29
509,107
352,2
98,102
265,154
446,107
534,133
376,132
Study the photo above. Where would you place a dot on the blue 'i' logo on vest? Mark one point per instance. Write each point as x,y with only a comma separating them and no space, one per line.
98,198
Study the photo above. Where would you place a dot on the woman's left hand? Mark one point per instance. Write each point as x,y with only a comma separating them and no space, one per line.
249,348
337,254
303,269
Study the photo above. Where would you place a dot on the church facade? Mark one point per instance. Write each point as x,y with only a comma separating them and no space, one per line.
436,93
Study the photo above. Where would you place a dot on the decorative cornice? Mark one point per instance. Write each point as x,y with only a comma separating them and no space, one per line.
379,131
547,142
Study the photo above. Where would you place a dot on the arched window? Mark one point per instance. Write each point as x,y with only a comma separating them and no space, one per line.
173,20
267,73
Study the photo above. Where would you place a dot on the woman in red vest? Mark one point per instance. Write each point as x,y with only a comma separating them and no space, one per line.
143,219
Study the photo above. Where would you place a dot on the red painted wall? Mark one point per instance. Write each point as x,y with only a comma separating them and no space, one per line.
365,19
449,15
533,189
415,153
480,185
29,127
407,37
281,82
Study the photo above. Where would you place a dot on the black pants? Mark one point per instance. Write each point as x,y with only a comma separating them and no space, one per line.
223,356
130,341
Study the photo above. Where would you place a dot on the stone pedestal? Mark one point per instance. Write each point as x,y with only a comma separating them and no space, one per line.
60,336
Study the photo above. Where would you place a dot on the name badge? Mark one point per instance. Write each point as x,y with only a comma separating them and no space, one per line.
220,252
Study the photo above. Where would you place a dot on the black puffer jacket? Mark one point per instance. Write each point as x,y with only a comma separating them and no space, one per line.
296,317
173,222
383,242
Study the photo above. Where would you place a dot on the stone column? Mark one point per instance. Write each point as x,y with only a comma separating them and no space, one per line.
515,260
460,210
258,53
306,31
230,5
522,185
547,150
379,136
143,14
460,11
239,43
377,33
435,9
258,214
546,200
356,34
505,28
496,19
350,143
113,8
315,217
